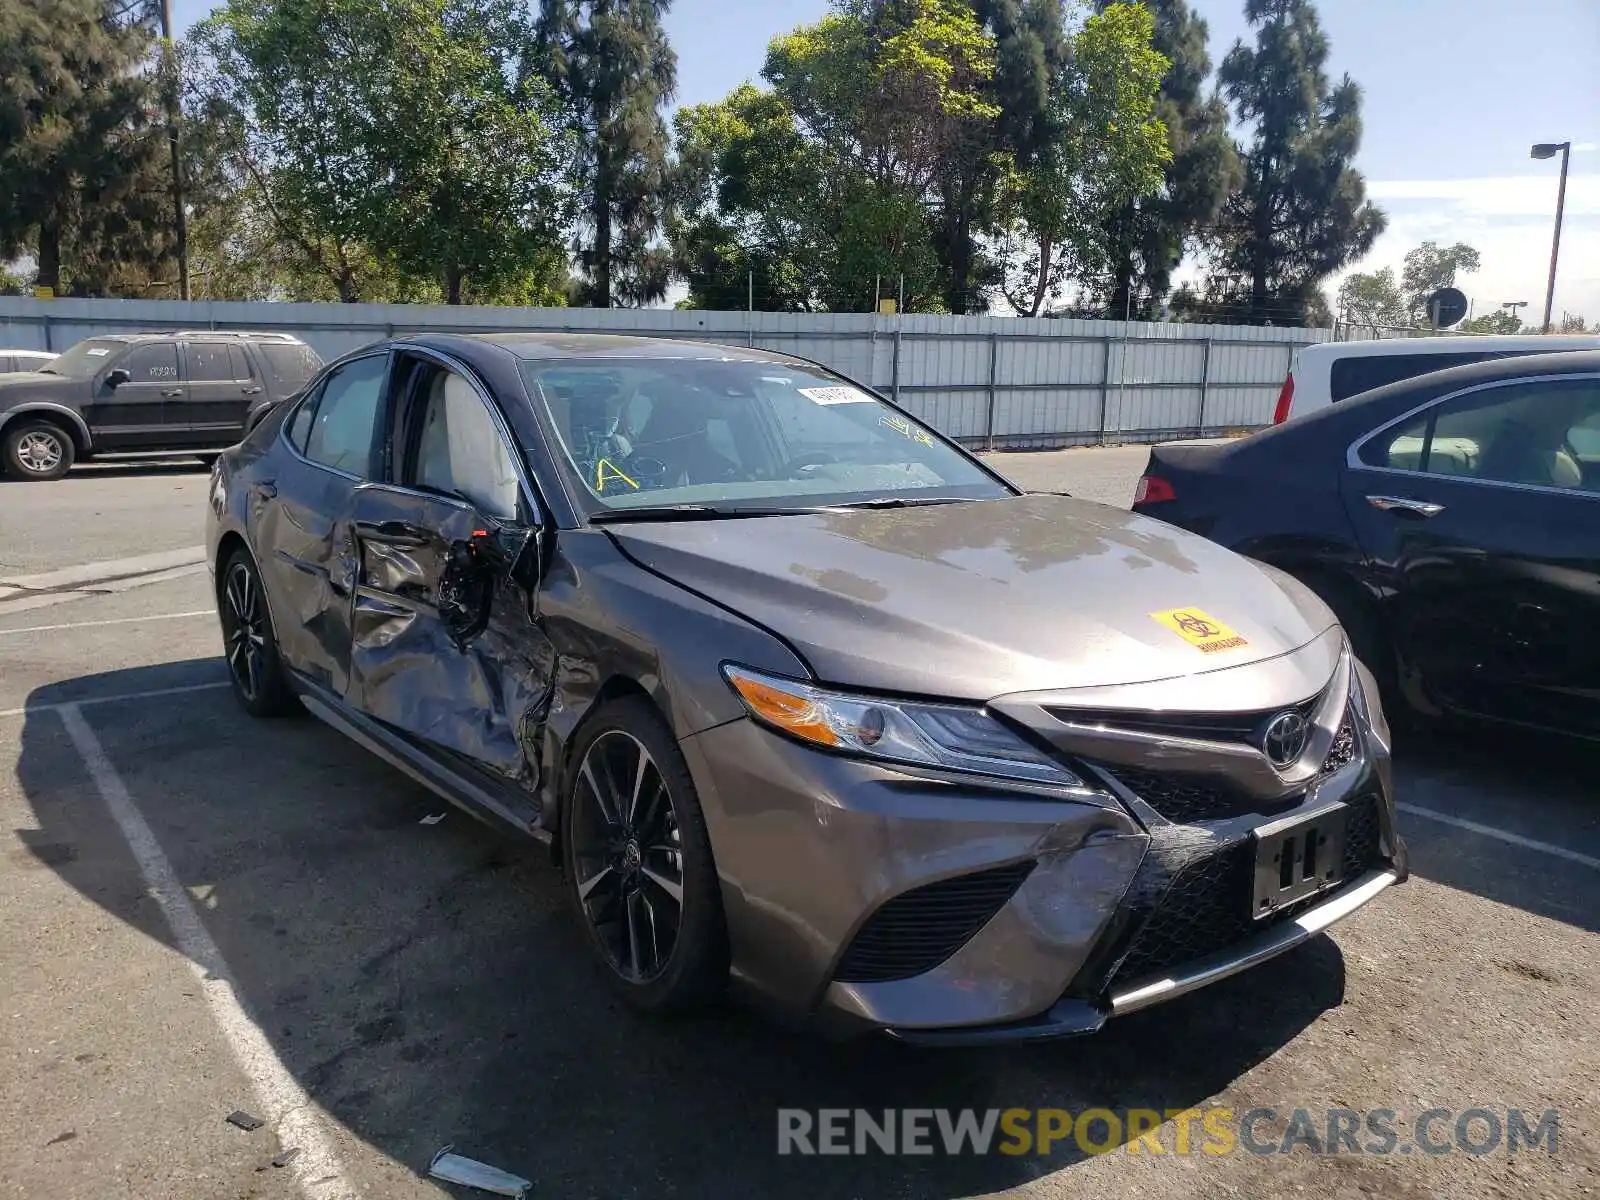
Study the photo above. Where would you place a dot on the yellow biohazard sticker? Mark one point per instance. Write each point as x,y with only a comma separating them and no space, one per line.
1201,630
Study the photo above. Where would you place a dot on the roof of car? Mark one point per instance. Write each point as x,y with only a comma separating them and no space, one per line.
556,346
1455,344
156,335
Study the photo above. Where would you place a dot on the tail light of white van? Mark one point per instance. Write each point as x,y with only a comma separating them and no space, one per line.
1285,400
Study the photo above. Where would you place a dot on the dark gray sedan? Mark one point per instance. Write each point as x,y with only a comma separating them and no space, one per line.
803,697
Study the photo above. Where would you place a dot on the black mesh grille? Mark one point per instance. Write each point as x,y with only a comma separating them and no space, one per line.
1206,908
917,930
1185,800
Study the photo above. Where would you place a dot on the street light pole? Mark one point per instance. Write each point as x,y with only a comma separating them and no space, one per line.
1548,150
169,56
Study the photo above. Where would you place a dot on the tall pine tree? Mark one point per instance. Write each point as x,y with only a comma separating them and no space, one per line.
1031,49
82,179
1302,211
1147,238
611,62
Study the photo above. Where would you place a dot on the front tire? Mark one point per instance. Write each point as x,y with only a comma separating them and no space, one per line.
37,449
638,864
259,679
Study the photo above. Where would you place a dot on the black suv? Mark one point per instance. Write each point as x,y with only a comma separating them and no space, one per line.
195,392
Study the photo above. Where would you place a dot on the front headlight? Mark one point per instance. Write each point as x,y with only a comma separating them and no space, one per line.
927,735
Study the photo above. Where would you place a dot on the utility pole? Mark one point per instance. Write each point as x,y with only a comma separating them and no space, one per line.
1548,150
169,58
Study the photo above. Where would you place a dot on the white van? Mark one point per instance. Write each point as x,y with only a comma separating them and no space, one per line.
1328,372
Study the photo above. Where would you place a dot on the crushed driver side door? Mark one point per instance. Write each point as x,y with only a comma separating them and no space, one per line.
448,650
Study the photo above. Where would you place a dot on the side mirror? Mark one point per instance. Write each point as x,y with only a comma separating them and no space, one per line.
117,376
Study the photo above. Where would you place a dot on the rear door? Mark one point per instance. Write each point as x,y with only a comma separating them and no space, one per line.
1481,516
143,413
219,387
447,650
334,443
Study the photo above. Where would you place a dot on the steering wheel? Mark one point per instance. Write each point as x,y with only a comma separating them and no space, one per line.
800,462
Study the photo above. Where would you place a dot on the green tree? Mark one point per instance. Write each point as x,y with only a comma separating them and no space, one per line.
81,180
1430,267
1110,148
752,205
1031,50
1147,237
828,185
611,62
1499,321
387,144
1301,213
1373,299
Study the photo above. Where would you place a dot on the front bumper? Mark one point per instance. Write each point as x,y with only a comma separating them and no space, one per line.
838,874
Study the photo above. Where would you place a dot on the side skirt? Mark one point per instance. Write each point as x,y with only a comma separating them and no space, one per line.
424,768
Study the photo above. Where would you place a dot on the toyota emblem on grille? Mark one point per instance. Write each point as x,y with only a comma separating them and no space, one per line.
1285,738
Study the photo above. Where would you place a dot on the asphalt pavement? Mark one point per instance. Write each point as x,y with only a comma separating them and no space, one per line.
205,913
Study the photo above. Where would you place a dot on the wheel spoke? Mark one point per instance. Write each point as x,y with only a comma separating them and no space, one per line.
671,887
655,940
593,882
633,936
607,813
638,785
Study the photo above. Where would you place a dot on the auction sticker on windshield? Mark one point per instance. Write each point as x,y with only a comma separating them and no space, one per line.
836,395
1200,629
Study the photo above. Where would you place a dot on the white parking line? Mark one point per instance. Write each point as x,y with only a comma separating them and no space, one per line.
199,612
112,698
283,1101
1514,839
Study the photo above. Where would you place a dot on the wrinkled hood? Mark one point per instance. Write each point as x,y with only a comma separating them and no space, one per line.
976,600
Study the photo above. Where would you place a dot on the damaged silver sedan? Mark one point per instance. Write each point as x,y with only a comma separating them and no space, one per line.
803,697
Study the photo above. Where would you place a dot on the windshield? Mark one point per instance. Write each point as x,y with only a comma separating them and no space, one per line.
85,359
758,435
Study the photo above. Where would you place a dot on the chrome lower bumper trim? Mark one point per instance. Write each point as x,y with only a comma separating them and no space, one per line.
1245,955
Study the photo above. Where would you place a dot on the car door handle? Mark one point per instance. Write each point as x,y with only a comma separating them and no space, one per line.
250,391
393,533
1404,504
169,392
266,489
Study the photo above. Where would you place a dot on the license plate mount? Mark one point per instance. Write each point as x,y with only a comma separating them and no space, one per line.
1299,856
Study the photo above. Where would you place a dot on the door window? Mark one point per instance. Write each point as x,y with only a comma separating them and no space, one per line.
344,429
300,422
239,364
289,364
1544,433
155,363
208,363
460,450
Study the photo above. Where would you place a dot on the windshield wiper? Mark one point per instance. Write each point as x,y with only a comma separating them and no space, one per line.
904,501
690,512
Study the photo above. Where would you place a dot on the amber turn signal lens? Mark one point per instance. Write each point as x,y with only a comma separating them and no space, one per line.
792,713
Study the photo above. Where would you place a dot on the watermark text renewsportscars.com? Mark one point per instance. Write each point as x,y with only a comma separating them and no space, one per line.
1182,1131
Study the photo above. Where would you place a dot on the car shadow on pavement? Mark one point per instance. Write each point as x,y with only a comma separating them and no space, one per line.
426,984
1514,783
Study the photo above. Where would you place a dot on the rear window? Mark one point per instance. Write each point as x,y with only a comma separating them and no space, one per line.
289,364
1352,376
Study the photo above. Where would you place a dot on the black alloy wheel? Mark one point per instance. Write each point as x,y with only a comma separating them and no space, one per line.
639,864
248,641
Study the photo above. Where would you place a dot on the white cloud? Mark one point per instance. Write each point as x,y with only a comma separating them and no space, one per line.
1509,220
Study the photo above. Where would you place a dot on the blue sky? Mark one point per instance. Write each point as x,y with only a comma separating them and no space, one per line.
1456,91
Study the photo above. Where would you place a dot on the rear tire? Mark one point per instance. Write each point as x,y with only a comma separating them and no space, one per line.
37,449
638,865
249,642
